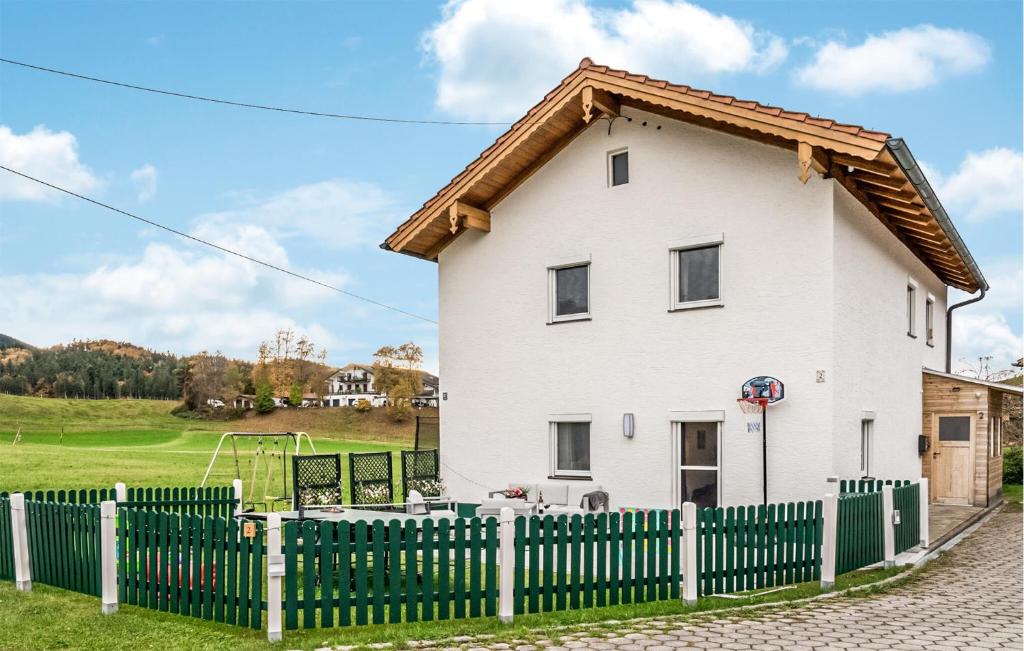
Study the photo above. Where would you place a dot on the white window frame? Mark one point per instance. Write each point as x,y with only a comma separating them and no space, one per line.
553,421
929,320
867,444
611,178
553,316
911,308
997,437
698,242
678,418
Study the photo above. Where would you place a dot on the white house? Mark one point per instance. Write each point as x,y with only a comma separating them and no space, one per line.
354,382
644,248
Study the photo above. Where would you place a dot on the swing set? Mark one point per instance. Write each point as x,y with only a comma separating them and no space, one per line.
272,449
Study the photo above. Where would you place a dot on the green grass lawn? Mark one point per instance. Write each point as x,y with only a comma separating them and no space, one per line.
140,443
1013,493
50,618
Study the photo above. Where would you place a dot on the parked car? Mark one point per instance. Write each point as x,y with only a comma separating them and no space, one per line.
215,403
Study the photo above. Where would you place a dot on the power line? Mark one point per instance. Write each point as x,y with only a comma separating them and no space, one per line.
214,100
220,248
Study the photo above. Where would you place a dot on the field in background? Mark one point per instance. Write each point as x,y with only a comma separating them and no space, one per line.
140,443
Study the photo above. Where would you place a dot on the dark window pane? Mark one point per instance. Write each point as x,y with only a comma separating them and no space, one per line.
573,446
698,274
955,428
700,487
700,444
620,168
571,290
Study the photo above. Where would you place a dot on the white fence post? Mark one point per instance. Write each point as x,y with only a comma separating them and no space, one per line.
507,559
19,535
237,485
275,572
108,556
829,538
120,492
925,533
689,543
888,528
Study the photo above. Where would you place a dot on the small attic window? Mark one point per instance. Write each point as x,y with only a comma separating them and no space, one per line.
618,167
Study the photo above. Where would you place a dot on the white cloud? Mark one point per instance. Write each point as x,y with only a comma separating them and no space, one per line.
982,328
173,296
338,213
184,297
145,180
497,58
983,335
907,59
47,155
986,184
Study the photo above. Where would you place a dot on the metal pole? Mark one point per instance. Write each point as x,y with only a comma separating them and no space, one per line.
764,454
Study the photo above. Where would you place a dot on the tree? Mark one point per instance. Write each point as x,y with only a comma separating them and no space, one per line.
264,397
284,364
295,395
203,379
394,366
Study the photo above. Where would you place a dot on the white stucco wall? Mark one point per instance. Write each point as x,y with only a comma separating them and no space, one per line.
506,371
878,366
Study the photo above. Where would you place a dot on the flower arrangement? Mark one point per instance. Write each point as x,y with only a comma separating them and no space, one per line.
515,493
372,493
428,487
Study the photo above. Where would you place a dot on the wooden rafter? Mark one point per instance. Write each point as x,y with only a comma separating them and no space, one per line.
600,100
462,215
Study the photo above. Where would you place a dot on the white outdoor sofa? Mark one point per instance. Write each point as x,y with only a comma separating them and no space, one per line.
554,498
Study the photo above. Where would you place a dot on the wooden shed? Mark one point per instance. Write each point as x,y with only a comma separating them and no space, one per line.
963,430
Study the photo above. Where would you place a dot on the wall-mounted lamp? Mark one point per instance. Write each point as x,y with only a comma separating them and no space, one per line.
628,425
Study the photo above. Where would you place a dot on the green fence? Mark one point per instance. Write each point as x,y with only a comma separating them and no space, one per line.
343,573
595,560
64,545
216,501
746,548
868,485
907,500
859,535
191,565
6,541
71,496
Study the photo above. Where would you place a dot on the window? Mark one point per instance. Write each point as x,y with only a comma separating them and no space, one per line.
696,269
911,316
570,449
569,292
699,470
618,168
929,321
954,428
867,430
997,449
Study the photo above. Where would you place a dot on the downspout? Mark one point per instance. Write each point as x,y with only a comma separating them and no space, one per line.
949,326
901,154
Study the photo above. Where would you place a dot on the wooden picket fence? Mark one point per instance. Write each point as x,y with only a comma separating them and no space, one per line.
868,485
64,544
68,496
343,573
595,560
216,501
6,541
191,565
859,535
907,500
753,547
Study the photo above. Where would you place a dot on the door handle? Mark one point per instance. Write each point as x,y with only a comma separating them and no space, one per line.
935,454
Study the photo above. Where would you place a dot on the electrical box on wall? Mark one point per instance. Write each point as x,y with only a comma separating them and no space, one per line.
923,443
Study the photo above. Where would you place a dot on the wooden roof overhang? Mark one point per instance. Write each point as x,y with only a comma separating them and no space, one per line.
862,161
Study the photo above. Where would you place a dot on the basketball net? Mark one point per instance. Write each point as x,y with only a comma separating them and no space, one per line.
752,409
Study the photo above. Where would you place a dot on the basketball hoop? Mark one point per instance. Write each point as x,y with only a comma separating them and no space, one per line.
753,411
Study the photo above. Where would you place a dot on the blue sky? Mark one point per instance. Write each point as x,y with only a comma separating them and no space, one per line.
318,195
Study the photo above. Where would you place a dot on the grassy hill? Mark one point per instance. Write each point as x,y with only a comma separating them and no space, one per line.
139,442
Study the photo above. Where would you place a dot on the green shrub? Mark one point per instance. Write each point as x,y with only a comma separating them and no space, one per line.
1012,458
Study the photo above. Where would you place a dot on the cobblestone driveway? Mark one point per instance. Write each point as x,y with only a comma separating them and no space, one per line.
970,598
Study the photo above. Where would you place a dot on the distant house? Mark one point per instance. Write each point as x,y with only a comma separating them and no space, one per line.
244,401
354,382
